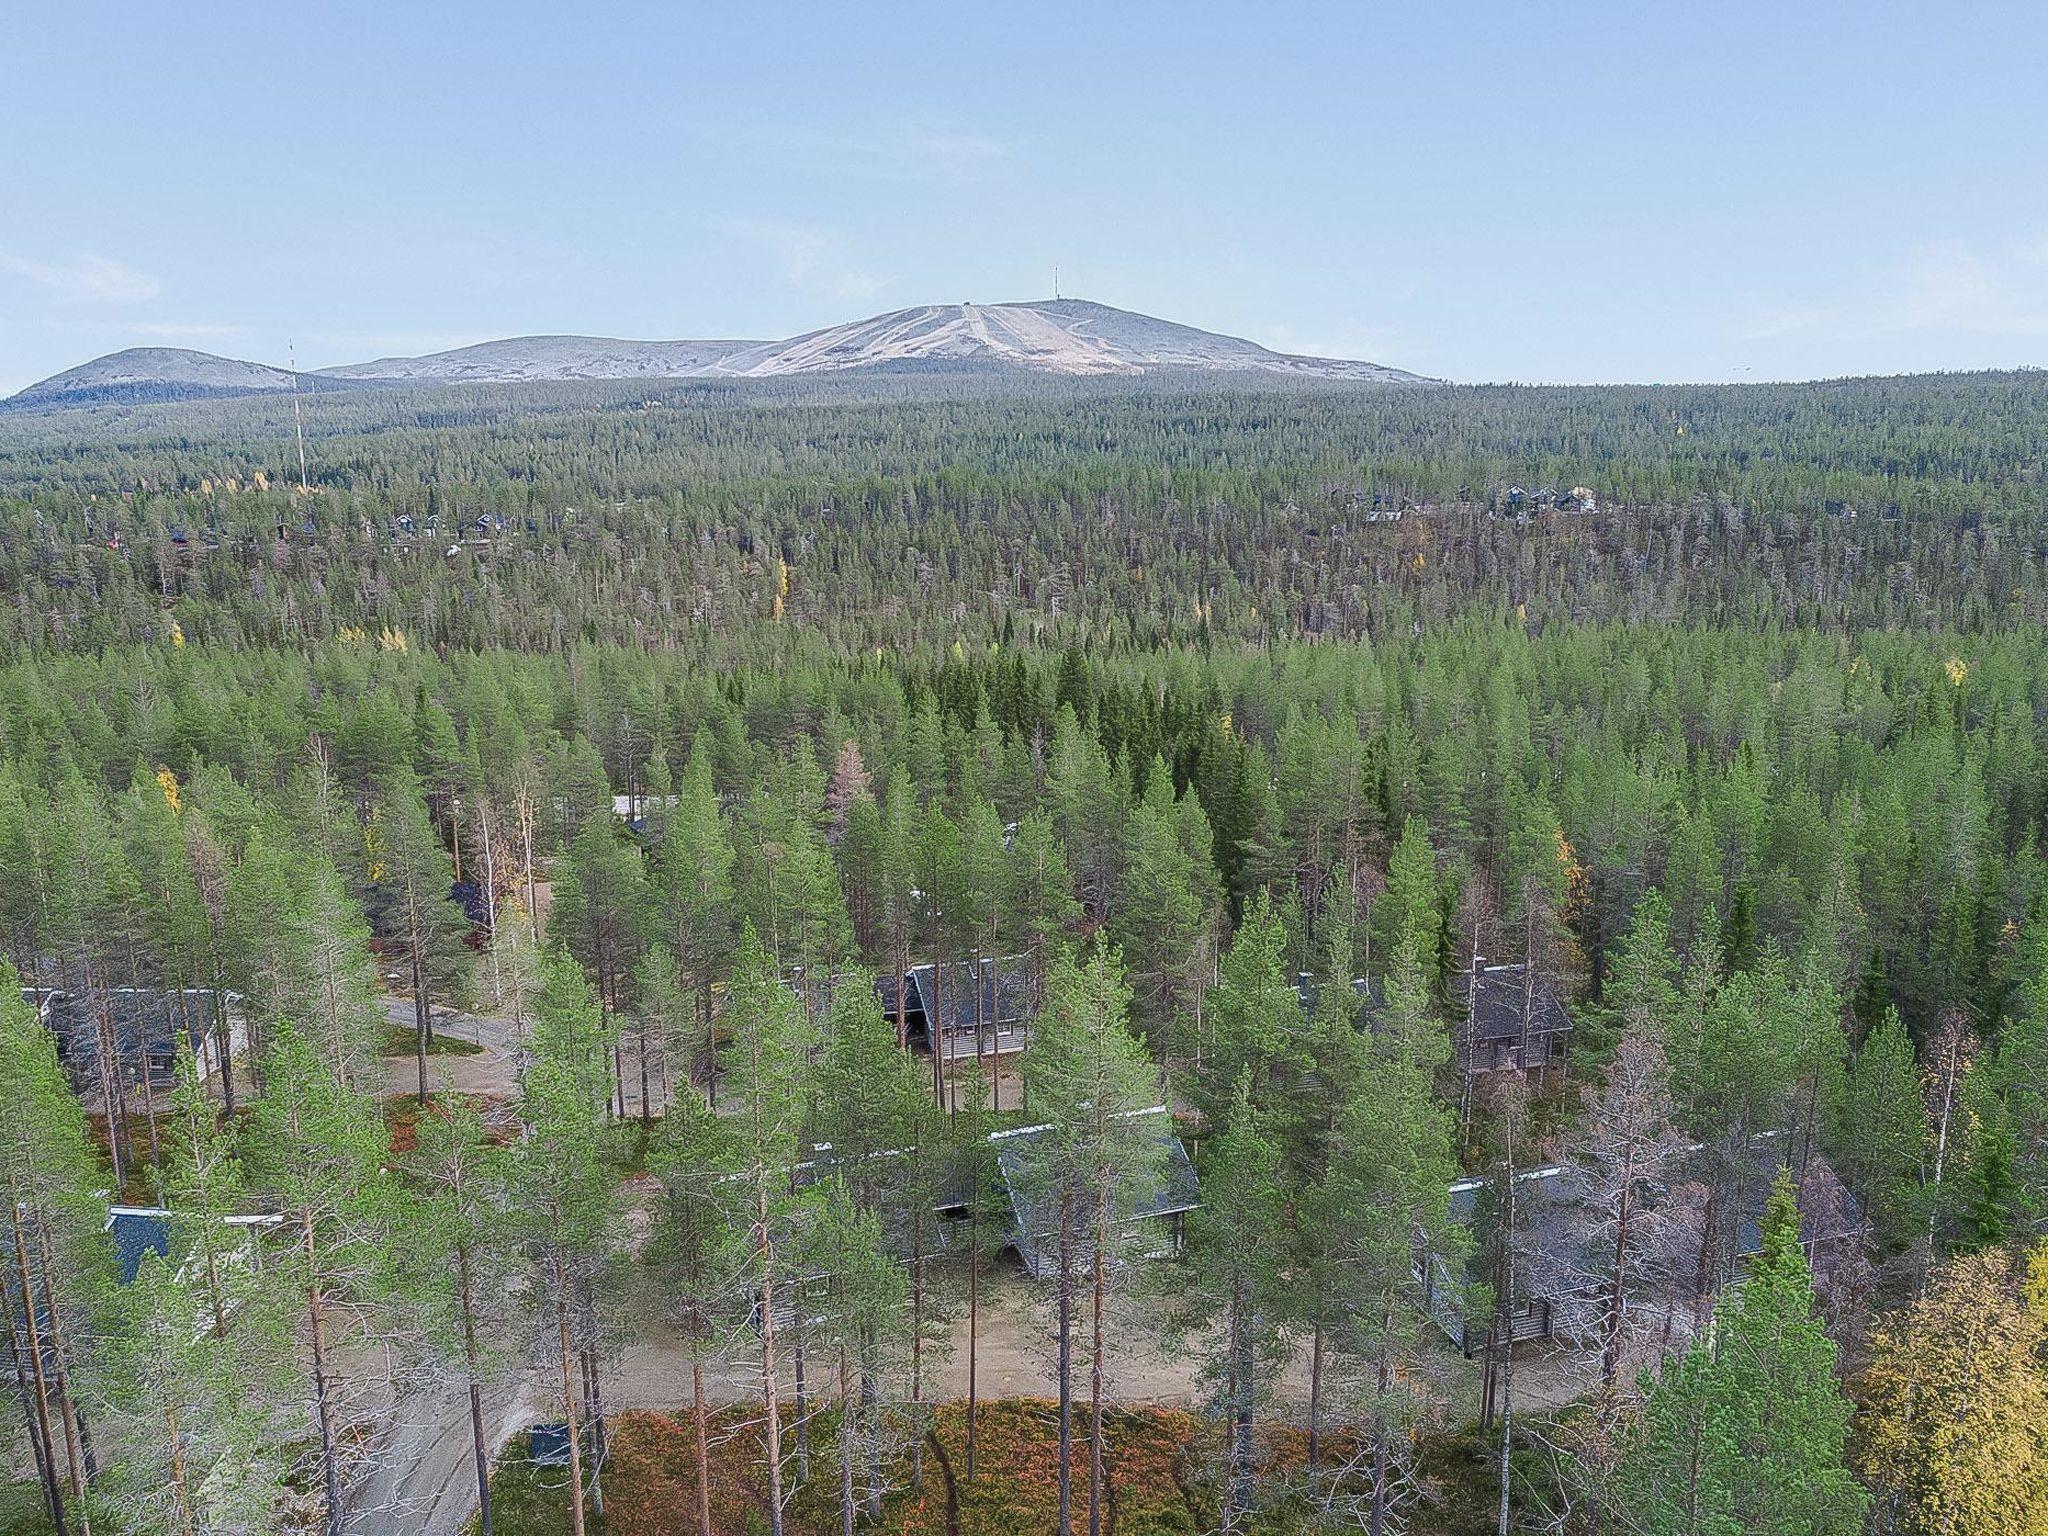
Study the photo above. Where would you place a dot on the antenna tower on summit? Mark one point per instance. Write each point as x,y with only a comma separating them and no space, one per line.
291,356
1055,280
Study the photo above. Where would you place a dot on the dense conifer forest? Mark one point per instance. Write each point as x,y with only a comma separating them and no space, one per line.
1479,959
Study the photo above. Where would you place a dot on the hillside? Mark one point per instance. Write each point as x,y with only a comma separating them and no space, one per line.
1062,337
142,374
520,358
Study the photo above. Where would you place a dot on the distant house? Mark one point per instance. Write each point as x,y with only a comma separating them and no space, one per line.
961,1009
816,988
633,809
1552,1295
1155,1214
1511,1020
1514,1021
142,1025
1371,996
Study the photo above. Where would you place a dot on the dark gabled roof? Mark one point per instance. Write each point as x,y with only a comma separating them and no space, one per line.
1497,1004
1371,994
885,992
1553,1190
137,1232
1032,1218
948,993
145,1020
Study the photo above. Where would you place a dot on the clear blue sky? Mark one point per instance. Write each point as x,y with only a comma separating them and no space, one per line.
1541,191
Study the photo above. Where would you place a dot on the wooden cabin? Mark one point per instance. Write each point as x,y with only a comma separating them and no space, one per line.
1553,1294
143,1027
963,1010
1154,1214
1513,1021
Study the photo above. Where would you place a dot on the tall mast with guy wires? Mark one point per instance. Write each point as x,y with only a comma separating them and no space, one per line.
298,422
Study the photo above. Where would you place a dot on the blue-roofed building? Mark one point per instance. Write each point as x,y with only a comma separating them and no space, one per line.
138,1231
547,1445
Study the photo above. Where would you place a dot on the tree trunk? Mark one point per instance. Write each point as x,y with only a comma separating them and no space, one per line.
569,1402
699,1429
422,1010
330,1474
476,1396
1097,1282
176,1441
770,1404
796,1361
77,1446
845,1450
973,1323
1385,1381
1610,1354
1507,1354
593,1401
917,1352
1240,1407
1315,1393
1066,1369
44,1435
225,1038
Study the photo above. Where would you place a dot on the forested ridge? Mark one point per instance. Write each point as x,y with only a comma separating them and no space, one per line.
1248,727
1142,515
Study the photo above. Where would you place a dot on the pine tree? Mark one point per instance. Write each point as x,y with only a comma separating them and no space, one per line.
56,1259
766,1052
1090,1079
319,1150
1384,1193
598,916
412,876
1238,1252
1254,1020
1747,1430
699,1253
1161,919
565,1197
452,1252
856,1293
1878,1133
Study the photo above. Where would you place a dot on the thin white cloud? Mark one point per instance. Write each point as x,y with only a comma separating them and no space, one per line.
86,279
808,257
1948,285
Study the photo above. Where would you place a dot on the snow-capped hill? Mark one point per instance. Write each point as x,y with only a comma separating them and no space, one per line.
1069,337
548,357
153,373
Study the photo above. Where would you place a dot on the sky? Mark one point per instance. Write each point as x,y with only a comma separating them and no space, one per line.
1532,191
